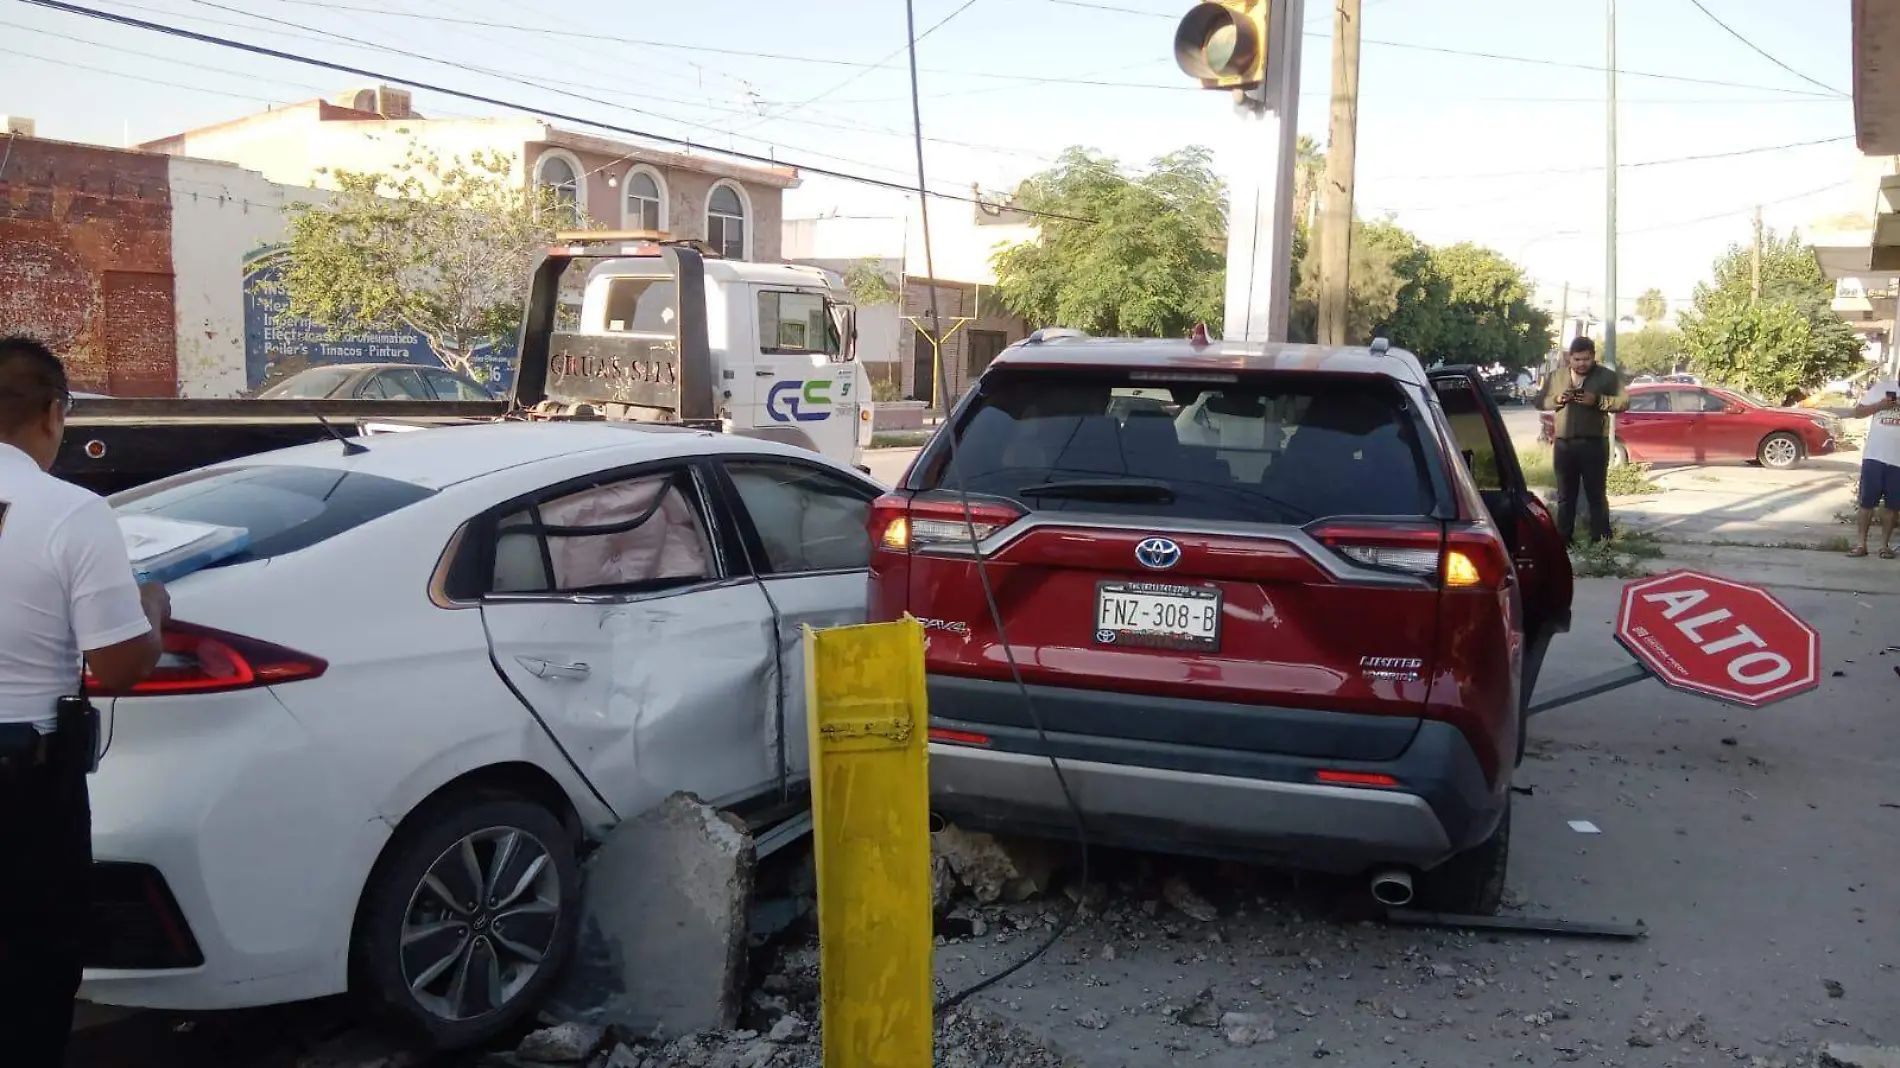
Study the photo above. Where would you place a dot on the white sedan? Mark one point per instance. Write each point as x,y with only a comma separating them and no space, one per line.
381,732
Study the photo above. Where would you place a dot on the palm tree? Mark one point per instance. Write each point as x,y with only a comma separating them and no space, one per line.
1308,168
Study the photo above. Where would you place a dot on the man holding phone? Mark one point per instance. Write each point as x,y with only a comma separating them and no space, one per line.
1879,465
1585,395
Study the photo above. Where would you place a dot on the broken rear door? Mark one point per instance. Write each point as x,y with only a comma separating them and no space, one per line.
805,528
614,614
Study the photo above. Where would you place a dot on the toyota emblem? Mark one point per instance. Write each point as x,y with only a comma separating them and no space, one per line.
1157,554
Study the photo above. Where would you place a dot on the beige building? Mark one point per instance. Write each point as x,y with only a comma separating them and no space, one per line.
975,323
617,185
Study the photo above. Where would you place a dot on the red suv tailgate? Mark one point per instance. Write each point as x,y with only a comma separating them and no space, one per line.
1262,541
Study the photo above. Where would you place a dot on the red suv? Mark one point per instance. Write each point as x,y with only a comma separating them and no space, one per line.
1281,603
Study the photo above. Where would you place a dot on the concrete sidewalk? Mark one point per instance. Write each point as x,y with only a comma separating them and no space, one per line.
1749,505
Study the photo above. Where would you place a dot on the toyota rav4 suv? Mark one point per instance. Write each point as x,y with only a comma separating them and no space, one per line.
1281,603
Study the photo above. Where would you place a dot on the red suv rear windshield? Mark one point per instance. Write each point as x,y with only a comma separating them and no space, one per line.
1274,448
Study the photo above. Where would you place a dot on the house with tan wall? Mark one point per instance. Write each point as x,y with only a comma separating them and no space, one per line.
973,321
735,208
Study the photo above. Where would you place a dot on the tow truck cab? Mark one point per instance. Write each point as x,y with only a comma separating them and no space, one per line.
659,332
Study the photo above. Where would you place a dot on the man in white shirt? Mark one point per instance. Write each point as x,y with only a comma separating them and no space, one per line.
66,588
1879,465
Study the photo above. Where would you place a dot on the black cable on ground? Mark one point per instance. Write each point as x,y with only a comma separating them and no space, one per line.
982,571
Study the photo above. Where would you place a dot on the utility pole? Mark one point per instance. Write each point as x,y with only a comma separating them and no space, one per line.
1609,221
1754,264
1336,214
1563,318
1260,212
1609,207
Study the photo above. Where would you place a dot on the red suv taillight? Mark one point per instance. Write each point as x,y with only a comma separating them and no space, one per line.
200,660
900,525
1465,558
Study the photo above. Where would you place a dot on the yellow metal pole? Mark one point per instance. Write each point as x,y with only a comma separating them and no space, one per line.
871,830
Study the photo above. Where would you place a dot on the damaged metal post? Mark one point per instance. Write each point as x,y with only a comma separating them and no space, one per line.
871,828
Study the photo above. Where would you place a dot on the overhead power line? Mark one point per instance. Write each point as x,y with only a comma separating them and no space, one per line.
1591,168
498,102
312,33
911,46
568,89
1758,50
1500,57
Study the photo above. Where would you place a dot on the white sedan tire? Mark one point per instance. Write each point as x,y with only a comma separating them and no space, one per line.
467,919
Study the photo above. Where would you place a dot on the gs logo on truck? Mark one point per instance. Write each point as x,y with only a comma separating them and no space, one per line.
805,402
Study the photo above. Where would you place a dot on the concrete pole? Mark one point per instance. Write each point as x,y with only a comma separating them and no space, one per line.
1335,232
1609,222
1260,189
1754,263
1609,207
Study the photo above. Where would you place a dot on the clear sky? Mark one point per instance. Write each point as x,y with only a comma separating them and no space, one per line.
1506,152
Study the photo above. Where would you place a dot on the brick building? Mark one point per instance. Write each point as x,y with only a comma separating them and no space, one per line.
86,260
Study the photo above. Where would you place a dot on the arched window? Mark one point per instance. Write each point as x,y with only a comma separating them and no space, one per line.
645,204
726,222
562,173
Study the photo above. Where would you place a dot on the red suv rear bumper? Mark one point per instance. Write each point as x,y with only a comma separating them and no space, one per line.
1303,809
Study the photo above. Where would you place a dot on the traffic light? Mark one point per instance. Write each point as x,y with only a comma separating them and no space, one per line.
1224,43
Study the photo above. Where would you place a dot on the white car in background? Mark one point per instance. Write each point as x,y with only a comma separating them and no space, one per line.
380,734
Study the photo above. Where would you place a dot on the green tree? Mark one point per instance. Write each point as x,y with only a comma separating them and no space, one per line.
1460,304
444,248
1387,265
868,285
1651,307
1136,253
1487,315
1787,341
1652,350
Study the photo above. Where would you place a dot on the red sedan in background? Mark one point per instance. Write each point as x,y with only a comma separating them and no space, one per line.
1676,423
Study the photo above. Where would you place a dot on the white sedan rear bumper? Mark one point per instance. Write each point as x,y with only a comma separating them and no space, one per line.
257,835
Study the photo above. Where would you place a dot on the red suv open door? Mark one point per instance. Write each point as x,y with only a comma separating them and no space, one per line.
1537,549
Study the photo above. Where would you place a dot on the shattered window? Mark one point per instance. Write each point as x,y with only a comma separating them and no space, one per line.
808,520
642,532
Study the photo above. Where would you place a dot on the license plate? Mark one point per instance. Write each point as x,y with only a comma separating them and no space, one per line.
1157,616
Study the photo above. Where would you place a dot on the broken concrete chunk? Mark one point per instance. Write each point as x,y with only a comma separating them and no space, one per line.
790,1028
662,939
1093,1019
561,1044
1840,1055
625,1057
1181,896
1202,1012
993,868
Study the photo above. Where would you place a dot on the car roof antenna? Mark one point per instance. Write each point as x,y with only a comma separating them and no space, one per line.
350,446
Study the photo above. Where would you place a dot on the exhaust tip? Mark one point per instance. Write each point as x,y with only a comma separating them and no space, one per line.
1392,889
937,822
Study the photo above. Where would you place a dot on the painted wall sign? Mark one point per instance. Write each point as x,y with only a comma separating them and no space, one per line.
275,341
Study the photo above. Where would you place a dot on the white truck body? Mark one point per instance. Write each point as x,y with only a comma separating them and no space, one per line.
780,339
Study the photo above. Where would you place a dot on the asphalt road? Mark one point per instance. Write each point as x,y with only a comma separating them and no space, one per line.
1757,848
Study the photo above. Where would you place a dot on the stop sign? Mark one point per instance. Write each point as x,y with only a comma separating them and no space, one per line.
1719,638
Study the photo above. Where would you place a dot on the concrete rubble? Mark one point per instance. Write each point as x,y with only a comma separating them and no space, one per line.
1840,1055
779,1029
991,868
663,925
